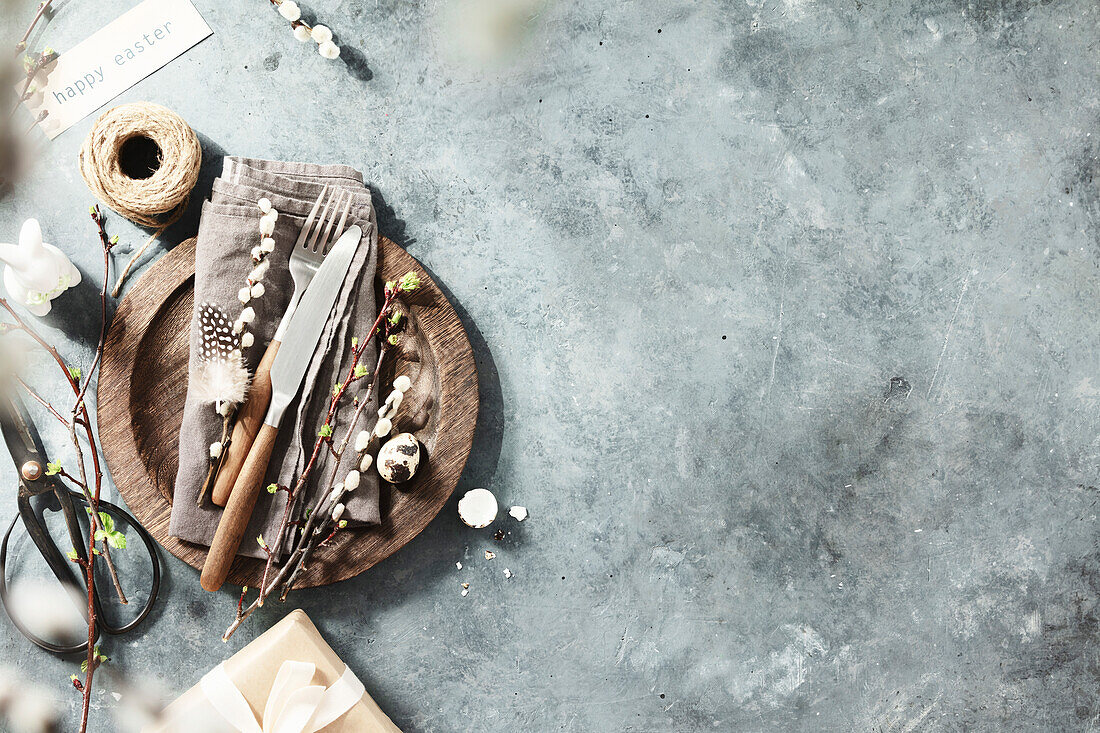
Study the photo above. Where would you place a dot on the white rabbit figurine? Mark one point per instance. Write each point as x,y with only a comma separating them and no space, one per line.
36,272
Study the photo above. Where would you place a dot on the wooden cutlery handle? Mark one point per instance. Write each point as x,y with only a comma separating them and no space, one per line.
238,510
249,420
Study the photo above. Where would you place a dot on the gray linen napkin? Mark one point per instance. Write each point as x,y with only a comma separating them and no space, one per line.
228,230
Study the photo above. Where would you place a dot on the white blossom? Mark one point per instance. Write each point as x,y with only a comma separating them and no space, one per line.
224,408
264,204
244,294
329,50
321,34
362,441
365,463
394,400
247,339
301,32
290,10
258,290
337,512
215,450
257,253
402,383
334,495
259,271
351,483
267,245
248,315
238,326
383,428
267,224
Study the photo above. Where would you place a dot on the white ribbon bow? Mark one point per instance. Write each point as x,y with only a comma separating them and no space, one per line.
293,705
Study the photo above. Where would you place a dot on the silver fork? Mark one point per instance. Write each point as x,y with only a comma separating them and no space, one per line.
314,241
308,255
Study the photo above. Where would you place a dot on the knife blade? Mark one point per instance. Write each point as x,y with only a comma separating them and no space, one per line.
287,370
304,330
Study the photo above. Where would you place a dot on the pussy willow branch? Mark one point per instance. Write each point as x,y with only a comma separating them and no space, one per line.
391,296
321,442
310,533
302,549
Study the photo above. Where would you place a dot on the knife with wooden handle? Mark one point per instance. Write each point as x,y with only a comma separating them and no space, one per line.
287,370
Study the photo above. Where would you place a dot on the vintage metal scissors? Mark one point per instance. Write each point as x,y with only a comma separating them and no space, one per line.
39,492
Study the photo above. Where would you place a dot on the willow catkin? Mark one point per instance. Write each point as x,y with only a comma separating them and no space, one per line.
158,200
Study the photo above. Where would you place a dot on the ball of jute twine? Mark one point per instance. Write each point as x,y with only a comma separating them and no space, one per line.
159,200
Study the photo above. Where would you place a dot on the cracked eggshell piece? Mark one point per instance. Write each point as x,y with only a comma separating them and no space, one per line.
478,508
519,513
399,458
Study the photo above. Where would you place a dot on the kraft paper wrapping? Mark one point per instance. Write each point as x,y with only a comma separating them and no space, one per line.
253,671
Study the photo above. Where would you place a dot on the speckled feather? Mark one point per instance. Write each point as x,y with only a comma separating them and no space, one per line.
220,376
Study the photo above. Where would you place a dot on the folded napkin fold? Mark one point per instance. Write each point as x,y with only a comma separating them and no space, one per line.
228,230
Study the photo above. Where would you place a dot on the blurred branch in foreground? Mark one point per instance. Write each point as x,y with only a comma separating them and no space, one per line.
22,73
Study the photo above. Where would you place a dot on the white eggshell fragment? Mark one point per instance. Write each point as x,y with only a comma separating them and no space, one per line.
519,513
478,508
399,458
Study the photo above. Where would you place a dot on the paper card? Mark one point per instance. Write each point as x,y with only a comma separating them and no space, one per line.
112,60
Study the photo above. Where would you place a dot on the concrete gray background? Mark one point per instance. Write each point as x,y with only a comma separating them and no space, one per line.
786,315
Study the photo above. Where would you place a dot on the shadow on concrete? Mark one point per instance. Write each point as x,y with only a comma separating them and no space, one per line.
393,228
211,168
356,62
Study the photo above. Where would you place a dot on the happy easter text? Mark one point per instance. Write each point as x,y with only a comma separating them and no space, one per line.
86,84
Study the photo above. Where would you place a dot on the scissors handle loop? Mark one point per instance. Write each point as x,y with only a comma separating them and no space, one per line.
64,575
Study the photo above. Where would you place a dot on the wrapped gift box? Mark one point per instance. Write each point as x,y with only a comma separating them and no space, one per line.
238,694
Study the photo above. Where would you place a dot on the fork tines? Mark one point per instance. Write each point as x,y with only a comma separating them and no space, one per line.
323,231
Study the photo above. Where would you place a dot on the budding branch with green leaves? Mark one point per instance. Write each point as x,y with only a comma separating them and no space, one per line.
321,524
102,535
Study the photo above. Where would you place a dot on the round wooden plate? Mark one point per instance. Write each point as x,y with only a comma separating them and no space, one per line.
143,383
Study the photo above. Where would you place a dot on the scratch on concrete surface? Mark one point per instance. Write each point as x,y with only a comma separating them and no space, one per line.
1033,625
622,645
912,724
771,681
950,330
775,350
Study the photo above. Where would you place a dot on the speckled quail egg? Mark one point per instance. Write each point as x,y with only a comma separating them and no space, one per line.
399,458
